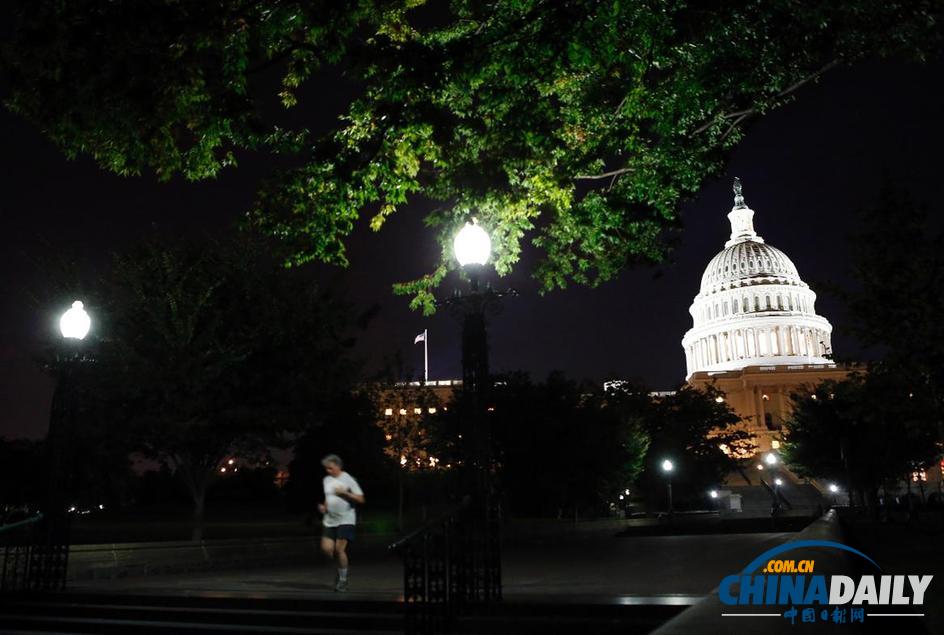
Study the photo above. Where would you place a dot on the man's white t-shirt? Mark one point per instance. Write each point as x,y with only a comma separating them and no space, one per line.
339,510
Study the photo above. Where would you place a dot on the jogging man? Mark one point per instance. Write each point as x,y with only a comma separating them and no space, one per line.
340,490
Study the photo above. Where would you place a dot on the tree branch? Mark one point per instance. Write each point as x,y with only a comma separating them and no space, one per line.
741,115
604,175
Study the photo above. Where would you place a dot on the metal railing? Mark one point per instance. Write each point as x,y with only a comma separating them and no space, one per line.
35,554
453,560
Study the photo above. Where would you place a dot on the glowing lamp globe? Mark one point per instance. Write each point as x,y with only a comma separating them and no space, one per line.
75,322
667,465
472,245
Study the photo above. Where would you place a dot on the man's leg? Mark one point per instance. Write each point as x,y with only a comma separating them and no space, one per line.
327,547
340,551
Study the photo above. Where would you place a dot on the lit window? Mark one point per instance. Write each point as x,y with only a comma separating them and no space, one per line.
775,444
432,411
417,411
388,411
402,411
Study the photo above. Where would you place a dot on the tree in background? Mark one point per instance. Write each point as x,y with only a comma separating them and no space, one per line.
212,349
576,126
895,305
405,414
22,466
864,431
700,434
561,450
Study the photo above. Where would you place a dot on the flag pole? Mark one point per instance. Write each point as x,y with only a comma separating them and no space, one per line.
425,356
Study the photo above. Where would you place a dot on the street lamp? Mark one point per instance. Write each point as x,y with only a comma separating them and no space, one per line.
472,245
834,489
668,467
75,323
472,248
74,326
770,458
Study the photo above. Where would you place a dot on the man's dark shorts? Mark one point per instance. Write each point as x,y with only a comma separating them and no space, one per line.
344,532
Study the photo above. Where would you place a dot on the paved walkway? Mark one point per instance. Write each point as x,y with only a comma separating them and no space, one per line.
601,567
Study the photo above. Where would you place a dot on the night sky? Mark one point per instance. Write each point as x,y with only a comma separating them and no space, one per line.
806,169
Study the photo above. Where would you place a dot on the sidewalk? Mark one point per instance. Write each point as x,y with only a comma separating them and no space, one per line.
677,569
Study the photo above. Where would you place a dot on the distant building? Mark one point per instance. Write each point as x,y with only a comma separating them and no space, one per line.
756,334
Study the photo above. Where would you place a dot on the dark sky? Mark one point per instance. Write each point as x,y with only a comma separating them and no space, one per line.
806,168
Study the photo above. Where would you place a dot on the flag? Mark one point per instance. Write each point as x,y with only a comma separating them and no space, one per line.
420,338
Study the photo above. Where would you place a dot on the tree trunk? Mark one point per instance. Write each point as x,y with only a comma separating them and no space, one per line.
195,478
199,500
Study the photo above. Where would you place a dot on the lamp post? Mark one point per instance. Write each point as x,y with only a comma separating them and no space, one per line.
713,495
667,467
53,544
833,489
472,248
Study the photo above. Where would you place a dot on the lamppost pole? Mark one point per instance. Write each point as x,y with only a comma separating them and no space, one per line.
667,467
53,544
472,249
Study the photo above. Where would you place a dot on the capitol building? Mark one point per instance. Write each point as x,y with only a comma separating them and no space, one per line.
755,333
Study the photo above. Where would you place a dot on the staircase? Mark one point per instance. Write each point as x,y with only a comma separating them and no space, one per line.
68,613
801,500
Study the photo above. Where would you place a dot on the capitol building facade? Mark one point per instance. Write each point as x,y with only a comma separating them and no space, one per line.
755,333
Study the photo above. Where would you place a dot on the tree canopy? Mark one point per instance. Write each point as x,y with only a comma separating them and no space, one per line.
897,266
213,348
865,431
561,449
576,127
699,434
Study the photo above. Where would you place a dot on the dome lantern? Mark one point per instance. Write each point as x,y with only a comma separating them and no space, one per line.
742,219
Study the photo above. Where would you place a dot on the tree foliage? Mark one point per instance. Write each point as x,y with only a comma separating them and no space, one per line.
574,126
864,431
410,436
212,348
699,434
894,305
562,451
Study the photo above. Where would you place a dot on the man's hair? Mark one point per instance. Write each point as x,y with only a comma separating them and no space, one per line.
333,458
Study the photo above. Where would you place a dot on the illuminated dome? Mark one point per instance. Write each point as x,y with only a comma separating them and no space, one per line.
753,308
743,263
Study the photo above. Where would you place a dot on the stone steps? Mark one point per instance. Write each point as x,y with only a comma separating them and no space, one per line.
345,615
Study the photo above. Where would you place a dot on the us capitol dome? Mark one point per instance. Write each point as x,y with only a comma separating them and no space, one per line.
753,309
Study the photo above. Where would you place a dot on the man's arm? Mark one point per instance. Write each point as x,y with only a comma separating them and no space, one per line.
350,496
